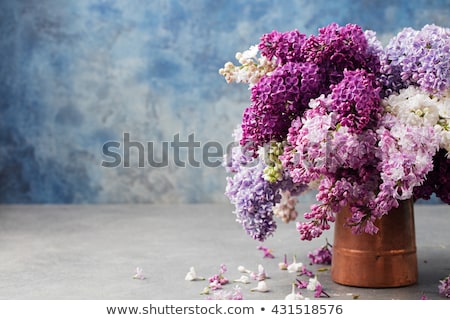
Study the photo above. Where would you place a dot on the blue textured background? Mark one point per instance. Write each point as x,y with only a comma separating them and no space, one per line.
76,74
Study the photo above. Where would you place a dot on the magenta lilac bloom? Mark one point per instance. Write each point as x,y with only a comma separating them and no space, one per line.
322,255
266,251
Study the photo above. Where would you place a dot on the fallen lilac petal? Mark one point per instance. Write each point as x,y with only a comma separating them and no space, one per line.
243,269
312,284
205,290
215,285
304,271
235,294
192,275
267,252
139,274
262,287
295,266
242,279
294,295
283,265
301,284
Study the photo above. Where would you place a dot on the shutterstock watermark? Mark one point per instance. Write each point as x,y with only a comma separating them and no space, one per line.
185,152
181,152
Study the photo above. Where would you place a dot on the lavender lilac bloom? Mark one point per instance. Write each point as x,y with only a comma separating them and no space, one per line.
418,57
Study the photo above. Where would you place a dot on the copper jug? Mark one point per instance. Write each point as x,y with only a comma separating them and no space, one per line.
386,259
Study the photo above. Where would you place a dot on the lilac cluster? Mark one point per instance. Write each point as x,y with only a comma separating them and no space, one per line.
417,57
335,143
282,46
307,67
356,101
406,157
322,255
253,198
276,100
338,48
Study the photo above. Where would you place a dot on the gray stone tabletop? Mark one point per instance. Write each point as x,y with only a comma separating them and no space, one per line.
91,252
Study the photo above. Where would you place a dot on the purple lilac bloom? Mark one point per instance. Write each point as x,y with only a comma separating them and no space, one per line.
338,48
266,251
276,100
284,46
356,101
252,195
336,143
322,255
335,134
319,292
254,198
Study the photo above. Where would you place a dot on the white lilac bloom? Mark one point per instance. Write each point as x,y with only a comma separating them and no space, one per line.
285,209
294,295
251,69
295,266
243,269
313,283
248,54
283,265
261,287
242,279
414,106
260,275
316,286
192,275
139,275
205,291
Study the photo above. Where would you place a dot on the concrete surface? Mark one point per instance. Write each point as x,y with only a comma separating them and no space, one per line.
91,252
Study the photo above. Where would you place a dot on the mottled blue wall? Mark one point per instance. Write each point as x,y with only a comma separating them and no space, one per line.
77,74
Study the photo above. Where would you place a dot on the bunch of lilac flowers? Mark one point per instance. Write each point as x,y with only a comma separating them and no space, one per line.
366,126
